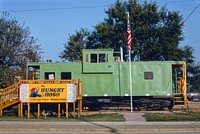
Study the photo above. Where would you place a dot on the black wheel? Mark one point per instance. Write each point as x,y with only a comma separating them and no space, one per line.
143,104
170,105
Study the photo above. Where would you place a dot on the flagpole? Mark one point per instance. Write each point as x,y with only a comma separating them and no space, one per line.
129,40
130,78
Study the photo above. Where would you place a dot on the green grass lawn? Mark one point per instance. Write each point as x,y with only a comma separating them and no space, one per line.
85,118
114,117
179,116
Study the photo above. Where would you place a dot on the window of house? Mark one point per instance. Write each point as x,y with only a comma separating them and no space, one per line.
148,75
66,75
49,75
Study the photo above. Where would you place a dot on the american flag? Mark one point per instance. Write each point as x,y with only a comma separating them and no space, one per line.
129,38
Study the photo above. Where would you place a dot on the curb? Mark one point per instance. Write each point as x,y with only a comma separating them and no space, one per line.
103,130
113,127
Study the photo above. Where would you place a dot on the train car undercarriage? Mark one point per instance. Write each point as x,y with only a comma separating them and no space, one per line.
139,103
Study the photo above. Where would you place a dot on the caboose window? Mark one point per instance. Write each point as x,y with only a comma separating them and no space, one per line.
102,58
86,57
98,58
49,75
93,58
148,75
66,75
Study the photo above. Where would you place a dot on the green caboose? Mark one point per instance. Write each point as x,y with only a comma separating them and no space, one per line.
106,76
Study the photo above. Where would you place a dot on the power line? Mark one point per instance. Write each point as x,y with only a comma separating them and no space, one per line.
53,9
177,1
81,7
188,18
180,1
195,42
192,12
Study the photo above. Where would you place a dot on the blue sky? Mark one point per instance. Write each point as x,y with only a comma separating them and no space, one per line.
52,27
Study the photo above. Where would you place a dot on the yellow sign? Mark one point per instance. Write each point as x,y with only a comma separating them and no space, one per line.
47,93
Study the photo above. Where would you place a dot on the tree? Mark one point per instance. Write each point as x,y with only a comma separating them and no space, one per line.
17,47
111,33
77,42
193,69
193,77
156,33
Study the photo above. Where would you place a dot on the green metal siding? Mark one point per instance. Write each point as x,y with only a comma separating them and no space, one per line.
74,68
124,79
100,85
117,82
106,67
160,85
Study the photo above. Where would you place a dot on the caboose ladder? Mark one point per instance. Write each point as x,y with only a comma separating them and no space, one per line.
180,98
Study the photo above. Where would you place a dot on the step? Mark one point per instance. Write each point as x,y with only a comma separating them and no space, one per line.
9,103
179,99
178,103
178,95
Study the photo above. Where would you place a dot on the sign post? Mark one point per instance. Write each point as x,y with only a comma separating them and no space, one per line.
48,93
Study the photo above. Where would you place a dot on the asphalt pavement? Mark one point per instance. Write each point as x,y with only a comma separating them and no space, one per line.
109,127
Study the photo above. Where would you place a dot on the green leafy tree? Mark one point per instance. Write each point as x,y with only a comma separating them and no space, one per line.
17,47
193,78
193,69
156,34
73,48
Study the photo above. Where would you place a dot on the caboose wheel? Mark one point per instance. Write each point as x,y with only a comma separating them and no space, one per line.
143,104
170,106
